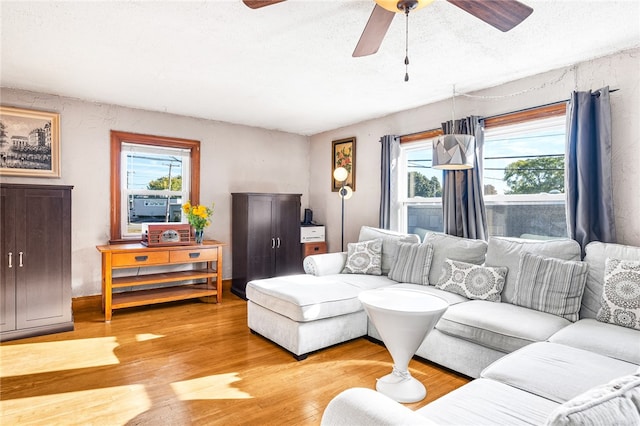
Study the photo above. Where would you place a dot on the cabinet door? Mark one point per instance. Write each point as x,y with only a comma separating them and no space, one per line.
288,259
43,276
260,238
8,255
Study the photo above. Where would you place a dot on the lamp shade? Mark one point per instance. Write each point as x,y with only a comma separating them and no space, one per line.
454,152
345,192
340,174
392,5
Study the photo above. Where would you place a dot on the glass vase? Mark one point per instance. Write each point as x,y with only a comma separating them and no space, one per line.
199,234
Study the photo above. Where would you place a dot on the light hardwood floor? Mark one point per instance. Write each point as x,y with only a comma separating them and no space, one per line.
184,363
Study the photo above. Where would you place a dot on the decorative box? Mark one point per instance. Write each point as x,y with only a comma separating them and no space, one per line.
166,234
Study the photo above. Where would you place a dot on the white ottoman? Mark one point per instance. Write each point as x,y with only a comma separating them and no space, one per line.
304,313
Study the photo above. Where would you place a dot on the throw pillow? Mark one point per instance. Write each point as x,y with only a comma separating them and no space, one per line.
412,264
472,281
615,403
451,247
364,257
550,285
621,293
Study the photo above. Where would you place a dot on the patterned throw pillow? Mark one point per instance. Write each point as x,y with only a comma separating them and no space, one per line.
364,257
412,264
550,285
472,281
621,293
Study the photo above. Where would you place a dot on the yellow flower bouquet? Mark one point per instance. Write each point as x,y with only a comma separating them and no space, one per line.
199,217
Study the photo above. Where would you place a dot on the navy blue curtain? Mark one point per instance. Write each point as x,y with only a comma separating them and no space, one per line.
589,188
386,159
463,207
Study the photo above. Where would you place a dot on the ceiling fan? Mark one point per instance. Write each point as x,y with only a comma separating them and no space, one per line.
501,14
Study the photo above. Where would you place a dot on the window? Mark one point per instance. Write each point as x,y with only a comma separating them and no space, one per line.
419,189
151,177
523,178
155,184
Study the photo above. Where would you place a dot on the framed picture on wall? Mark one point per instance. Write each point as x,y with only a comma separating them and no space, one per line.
29,143
343,154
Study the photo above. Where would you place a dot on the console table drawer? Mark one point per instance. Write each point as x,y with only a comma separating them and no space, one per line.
138,259
195,255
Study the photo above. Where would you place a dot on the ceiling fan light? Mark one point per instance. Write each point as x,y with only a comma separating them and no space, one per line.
392,5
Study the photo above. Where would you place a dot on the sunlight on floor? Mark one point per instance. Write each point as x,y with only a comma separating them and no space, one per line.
210,387
131,401
33,358
147,336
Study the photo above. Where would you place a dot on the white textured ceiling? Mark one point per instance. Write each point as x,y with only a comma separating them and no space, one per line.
288,66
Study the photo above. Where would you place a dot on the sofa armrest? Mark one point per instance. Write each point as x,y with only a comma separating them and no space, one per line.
360,406
325,264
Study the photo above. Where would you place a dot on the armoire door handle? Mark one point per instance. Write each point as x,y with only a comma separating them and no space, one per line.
10,260
20,260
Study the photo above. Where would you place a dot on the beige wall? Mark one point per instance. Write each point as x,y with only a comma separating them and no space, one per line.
239,158
619,71
234,159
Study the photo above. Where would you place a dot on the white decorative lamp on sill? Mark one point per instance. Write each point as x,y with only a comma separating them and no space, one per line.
454,151
341,174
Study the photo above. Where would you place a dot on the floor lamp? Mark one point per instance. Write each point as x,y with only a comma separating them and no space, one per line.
340,174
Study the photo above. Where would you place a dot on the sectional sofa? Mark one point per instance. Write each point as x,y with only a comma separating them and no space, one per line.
534,324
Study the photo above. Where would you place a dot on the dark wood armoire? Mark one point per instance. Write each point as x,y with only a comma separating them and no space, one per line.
265,237
35,247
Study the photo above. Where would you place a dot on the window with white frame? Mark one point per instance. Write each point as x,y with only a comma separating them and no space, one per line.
419,189
154,185
523,180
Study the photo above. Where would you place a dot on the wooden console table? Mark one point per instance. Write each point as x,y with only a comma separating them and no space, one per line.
121,256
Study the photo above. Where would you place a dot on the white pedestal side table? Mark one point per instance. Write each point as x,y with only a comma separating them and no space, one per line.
403,318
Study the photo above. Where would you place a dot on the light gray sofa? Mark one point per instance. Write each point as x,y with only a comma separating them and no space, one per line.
474,337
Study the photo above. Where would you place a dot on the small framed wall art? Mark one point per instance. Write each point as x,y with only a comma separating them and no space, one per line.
29,143
343,154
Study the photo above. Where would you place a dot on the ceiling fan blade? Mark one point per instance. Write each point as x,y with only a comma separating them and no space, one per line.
257,4
374,32
501,14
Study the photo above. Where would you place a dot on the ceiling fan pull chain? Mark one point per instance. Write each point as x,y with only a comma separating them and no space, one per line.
406,45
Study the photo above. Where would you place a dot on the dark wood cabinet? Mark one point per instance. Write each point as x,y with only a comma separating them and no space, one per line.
265,237
35,247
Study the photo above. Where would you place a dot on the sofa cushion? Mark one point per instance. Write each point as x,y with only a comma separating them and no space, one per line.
304,297
596,256
605,339
364,257
412,263
614,403
621,293
456,248
550,285
487,402
499,326
556,372
390,240
472,281
503,251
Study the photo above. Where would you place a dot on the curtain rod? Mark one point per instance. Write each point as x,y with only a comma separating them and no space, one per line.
540,106
425,134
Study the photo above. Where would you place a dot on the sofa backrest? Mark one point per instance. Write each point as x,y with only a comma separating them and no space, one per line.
455,248
390,241
504,251
596,256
